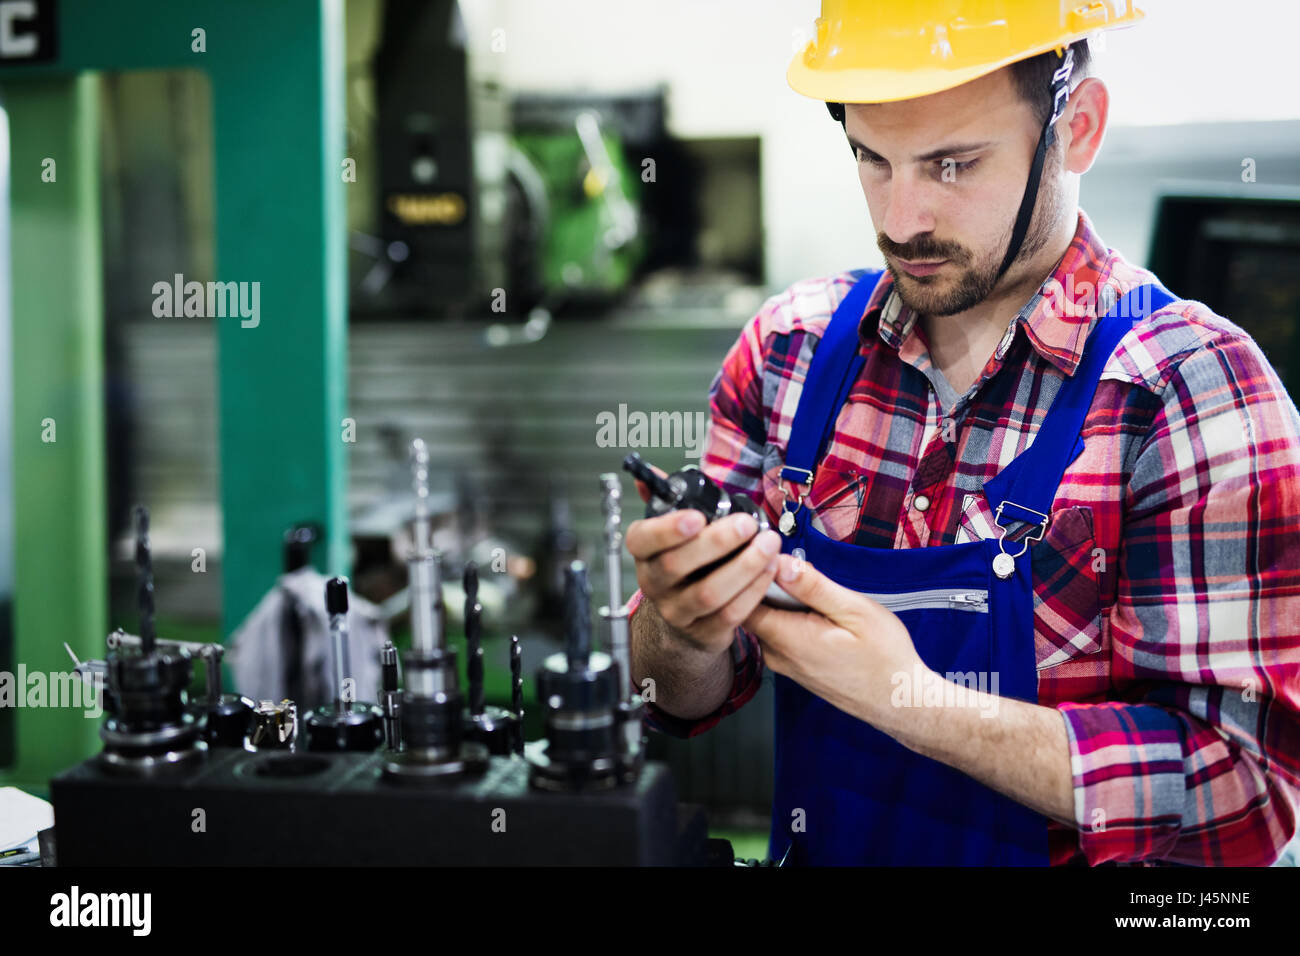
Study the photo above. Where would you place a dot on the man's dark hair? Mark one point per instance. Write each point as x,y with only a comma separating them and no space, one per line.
1032,79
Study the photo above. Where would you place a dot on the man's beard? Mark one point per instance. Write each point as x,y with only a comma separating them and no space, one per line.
974,281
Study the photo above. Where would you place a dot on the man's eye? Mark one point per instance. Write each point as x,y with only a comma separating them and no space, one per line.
871,160
956,166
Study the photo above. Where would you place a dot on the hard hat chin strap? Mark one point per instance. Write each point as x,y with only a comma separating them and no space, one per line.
1060,95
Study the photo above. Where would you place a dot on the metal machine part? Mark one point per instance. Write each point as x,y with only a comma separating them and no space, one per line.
691,488
299,808
390,697
517,692
275,726
346,724
147,727
494,727
120,638
226,719
94,673
433,744
631,708
579,694
229,717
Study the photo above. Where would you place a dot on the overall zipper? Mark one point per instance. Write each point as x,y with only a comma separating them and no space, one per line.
966,600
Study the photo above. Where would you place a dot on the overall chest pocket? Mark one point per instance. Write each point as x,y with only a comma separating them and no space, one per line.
836,499
1065,567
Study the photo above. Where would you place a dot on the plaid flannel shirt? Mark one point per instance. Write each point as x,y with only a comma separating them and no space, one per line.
1167,586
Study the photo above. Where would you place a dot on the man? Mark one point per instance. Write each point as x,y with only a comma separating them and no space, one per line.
1073,499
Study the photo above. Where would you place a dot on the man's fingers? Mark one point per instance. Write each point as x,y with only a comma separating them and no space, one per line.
739,607
650,536
674,567
776,628
716,542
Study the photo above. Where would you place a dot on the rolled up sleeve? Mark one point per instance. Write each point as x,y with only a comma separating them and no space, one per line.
747,669
1196,759
731,455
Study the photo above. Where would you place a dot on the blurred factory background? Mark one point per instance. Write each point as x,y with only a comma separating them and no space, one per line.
553,210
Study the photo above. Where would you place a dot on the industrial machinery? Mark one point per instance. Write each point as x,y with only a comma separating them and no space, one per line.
424,777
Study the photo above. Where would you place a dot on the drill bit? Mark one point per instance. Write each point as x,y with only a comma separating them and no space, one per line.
428,614
517,691
616,612
473,637
144,576
577,616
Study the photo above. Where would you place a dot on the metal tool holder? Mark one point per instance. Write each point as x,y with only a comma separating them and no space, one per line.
390,697
228,717
148,728
691,488
346,724
432,724
579,694
494,727
630,714
432,795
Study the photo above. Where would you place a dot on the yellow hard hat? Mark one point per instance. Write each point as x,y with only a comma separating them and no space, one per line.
875,51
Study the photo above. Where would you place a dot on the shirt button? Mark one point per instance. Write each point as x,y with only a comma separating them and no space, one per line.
921,502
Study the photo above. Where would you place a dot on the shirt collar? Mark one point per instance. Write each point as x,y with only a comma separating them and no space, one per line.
1057,318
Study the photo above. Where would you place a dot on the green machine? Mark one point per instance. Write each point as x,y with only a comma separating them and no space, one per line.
593,242
276,78
581,159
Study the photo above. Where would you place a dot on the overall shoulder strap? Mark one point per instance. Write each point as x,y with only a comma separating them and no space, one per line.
834,368
1026,487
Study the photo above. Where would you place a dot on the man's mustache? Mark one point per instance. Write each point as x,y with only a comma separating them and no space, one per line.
921,252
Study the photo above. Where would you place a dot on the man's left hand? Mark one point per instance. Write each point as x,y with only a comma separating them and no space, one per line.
846,650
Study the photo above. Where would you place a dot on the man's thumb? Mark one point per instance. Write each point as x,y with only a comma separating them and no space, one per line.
801,580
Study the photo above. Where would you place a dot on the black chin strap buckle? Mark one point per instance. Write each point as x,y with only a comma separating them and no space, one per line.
1060,92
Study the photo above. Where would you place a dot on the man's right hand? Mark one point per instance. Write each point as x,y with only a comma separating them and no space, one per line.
670,548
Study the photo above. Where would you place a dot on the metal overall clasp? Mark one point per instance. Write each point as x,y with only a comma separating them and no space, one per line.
786,523
1004,565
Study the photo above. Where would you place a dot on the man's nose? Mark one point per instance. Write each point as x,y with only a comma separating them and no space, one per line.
908,213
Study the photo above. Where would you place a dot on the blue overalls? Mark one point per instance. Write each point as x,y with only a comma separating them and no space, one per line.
845,793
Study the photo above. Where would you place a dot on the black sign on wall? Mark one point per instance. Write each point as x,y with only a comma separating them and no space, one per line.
27,33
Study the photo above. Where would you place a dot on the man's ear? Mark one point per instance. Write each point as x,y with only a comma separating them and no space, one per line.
1085,123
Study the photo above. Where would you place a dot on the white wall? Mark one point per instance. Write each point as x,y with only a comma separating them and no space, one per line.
724,62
